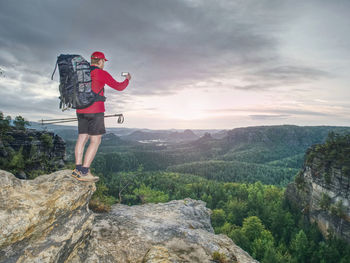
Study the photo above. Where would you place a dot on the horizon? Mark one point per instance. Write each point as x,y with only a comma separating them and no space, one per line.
194,65
168,129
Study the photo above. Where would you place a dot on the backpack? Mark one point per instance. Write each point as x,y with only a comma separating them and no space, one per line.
75,83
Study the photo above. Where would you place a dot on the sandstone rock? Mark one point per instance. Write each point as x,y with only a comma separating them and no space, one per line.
42,220
157,254
48,220
314,186
177,231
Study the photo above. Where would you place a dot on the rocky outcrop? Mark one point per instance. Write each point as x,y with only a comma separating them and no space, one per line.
177,231
41,150
54,147
321,191
44,219
48,220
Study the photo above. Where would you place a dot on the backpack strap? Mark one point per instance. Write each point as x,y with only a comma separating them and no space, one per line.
91,69
53,73
100,91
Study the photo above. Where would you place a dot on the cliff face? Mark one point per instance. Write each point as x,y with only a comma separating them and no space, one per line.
47,220
41,150
321,191
29,137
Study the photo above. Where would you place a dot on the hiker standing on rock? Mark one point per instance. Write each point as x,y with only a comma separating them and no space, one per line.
91,119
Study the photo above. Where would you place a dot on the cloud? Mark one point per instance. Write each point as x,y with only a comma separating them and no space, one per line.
266,117
168,46
272,112
164,44
254,87
291,73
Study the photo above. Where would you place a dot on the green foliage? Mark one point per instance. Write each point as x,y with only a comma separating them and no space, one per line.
327,177
27,158
17,162
235,171
218,217
47,140
101,201
252,227
219,257
35,173
335,151
148,195
295,161
255,238
273,255
20,123
4,124
300,180
346,170
325,201
338,209
237,210
299,246
310,157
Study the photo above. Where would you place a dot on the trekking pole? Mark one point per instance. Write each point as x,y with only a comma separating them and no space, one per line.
54,121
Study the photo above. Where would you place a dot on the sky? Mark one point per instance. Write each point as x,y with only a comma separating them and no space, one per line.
195,64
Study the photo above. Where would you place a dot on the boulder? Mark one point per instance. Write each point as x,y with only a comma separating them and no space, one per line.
177,231
44,219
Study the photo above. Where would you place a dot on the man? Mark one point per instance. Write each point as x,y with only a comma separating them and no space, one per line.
91,119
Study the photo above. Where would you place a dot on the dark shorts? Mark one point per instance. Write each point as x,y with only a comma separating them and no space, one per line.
91,123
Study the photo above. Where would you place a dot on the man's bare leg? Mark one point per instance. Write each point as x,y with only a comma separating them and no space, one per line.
79,148
95,141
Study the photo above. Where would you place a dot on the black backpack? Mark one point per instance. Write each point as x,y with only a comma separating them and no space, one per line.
75,82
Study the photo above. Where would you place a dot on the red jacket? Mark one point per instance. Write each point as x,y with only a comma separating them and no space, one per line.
99,78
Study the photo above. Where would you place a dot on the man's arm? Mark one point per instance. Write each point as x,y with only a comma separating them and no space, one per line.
110,81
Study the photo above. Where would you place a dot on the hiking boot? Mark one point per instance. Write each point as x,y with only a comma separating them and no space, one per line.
76,173
89,175
84,177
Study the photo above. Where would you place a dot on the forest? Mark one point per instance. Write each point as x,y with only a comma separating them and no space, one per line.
256,216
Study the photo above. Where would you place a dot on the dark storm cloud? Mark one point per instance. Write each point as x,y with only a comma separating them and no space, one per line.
163,43
26,105
272,77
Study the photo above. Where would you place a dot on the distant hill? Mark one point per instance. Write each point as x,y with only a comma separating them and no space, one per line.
166,136
262,144
272,147
70,132
270,154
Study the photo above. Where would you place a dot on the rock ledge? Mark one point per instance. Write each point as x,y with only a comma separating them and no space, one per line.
48,220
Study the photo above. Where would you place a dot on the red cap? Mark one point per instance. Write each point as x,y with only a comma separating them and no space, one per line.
98,54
